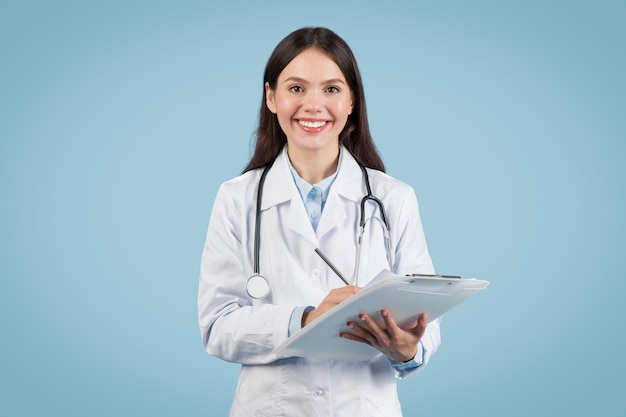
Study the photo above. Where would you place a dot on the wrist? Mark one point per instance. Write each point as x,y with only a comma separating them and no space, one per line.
306,319
411,357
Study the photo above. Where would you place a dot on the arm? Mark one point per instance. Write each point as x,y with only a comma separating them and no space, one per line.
233,326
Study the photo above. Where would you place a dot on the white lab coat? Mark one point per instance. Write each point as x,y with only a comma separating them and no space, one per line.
239,329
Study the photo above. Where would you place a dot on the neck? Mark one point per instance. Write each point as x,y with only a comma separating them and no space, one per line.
314,166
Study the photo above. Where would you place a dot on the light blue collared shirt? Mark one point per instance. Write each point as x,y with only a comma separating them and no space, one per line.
314,196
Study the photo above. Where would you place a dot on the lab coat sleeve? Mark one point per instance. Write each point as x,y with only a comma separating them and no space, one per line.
412,256
233,328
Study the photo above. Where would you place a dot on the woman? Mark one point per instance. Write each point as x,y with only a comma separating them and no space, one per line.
313,136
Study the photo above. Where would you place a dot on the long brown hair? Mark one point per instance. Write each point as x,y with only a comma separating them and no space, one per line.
355,136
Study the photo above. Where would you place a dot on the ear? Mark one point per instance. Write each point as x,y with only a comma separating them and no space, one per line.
270,98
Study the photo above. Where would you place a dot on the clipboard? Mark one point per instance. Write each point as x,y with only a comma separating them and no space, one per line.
404,296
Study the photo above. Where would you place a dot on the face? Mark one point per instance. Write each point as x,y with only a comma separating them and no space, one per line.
312,101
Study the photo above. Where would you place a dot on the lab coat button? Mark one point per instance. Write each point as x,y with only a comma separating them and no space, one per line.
315,273
319,392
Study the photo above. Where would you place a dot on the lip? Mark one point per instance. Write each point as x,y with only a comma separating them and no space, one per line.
312,125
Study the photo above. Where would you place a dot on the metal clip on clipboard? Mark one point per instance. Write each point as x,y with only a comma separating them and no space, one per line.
434,276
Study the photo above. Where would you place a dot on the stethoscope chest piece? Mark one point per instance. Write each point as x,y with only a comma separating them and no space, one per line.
257,286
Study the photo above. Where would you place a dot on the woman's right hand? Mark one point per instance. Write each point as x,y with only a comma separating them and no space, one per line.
333,298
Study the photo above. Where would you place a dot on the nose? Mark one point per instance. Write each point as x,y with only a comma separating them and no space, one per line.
313,101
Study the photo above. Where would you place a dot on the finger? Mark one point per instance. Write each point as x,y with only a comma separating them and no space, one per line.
392,327
420,327
341,294
354,337
350,290
362,332
338,295
378,332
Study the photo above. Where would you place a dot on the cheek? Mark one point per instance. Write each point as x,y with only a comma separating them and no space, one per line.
286,108
284,114
343,110
345,105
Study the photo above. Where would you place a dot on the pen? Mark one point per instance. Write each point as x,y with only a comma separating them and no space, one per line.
330,264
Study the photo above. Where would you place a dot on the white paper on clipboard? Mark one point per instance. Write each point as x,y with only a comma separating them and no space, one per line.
404,296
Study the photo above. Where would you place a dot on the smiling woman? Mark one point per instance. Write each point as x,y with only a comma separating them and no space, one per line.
334,54
315,159
312,102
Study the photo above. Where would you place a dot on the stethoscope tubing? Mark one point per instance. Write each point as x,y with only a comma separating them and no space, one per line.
257,223
257,280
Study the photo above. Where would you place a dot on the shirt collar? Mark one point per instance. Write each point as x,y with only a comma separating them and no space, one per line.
280,187
304,187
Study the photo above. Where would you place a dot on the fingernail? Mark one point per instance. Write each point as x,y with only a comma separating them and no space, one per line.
363,318
384,313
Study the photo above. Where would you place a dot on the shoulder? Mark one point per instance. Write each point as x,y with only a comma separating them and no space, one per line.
238,191
398,197
241,182
385,184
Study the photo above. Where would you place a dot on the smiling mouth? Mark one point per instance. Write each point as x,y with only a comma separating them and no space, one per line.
312,125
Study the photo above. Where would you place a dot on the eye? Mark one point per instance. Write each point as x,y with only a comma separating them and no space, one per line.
296,89
332,89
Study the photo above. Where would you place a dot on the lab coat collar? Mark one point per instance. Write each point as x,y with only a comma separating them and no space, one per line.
349,182
280,188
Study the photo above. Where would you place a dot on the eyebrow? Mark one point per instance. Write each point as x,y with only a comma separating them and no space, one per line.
303,81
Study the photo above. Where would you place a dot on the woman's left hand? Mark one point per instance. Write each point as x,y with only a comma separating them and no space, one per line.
397,343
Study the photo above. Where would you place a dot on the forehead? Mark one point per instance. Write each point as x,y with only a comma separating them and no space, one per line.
312,64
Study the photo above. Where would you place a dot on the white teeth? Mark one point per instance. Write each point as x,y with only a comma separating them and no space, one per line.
312,124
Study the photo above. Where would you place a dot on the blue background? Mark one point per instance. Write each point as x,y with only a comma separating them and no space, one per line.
120,119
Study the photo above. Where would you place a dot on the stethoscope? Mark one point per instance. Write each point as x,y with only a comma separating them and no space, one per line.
258,286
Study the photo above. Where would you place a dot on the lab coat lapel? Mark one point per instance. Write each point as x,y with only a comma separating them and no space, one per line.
280,188
348,186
